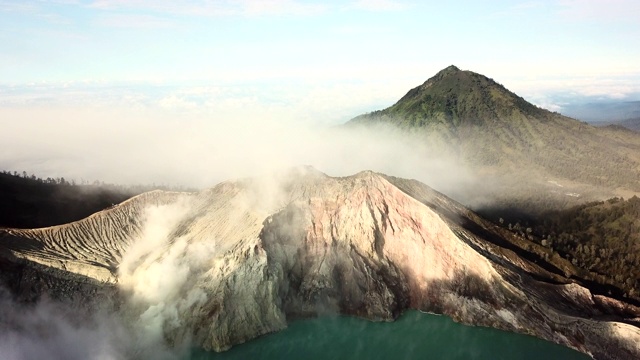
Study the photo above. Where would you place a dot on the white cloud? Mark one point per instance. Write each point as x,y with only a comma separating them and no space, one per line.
134,21
600,10
549,91
17,6
280,7
379,5
307,101
216,8
518,9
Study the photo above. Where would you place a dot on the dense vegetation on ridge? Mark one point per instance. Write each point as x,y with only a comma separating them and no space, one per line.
601,236
27,201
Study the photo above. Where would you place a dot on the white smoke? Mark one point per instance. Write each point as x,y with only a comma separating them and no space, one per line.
55,330
157,279
158,275
203,150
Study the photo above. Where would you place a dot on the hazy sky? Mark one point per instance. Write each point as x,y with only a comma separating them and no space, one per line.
327,60
99,67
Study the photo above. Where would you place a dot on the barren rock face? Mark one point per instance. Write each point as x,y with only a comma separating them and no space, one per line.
92,247
225,265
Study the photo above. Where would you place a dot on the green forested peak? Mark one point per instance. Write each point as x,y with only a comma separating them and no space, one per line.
458,97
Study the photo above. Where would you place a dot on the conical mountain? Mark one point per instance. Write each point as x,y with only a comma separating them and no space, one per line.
457,97
489,127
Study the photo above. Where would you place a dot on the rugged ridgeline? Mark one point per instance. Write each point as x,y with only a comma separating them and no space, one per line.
228,264
499,133
604,113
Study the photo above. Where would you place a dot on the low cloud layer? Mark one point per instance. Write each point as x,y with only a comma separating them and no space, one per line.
200,150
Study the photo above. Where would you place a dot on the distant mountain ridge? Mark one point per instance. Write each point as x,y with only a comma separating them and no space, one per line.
603,112
631,124
497,131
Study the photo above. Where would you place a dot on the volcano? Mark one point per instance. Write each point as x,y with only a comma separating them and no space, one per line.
225,265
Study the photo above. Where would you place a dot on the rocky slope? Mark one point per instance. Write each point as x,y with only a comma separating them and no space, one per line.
228,264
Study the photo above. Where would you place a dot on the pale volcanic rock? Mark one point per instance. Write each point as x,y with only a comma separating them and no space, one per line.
90,247
228,264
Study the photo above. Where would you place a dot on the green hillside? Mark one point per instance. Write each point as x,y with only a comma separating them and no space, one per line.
497,132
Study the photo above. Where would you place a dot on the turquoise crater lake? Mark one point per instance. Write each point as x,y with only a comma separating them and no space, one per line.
414,335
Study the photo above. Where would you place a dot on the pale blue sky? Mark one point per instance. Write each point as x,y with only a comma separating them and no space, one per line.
82,83
379,48
247,40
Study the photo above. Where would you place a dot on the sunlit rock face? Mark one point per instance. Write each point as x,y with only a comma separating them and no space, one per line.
223,266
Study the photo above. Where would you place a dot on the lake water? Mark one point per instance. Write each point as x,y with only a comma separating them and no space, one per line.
414,335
